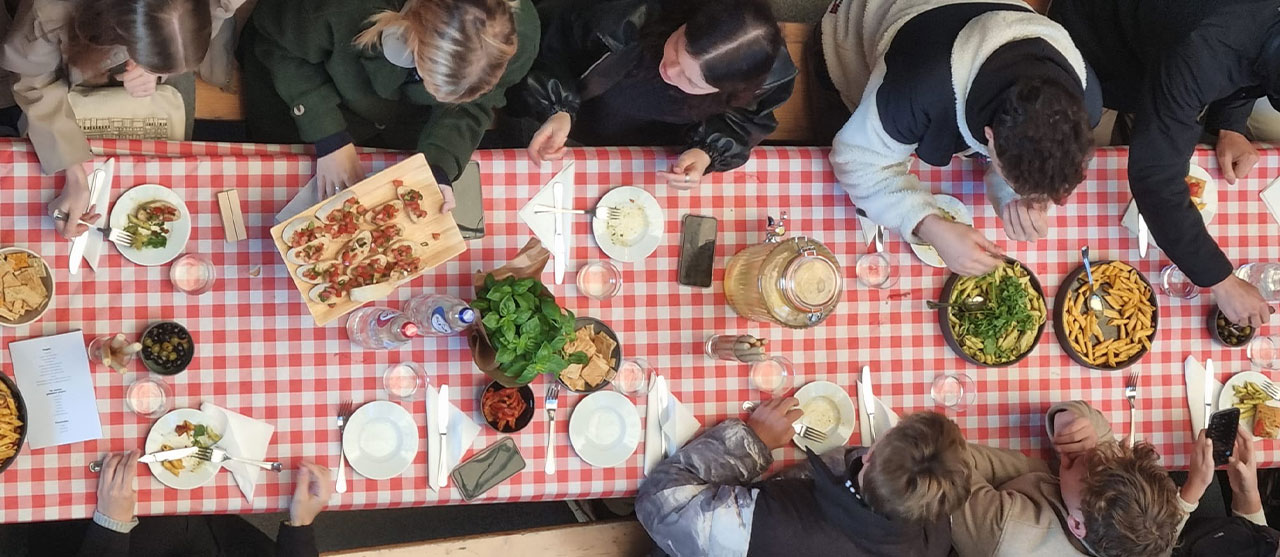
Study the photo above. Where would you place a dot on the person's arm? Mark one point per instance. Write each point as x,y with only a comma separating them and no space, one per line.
296,541
697,502
978,527
33,52
1081,409
729,137
569,45
219,62
297,538
114,515
1228,116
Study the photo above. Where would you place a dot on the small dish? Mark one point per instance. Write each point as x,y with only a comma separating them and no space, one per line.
32,315
604,429
1214,322
826,392
154,353
598,326
201,472
639,243
179,230
959,212
522,420
380,440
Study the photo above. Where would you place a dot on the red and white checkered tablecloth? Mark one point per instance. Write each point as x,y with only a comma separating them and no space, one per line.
260,354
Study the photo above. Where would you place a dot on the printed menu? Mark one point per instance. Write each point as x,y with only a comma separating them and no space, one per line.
53,374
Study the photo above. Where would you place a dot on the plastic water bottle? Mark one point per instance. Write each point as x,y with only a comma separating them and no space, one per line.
440,314
1264,276
380,328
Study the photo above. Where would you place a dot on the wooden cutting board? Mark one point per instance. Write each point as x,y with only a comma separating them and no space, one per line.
437,237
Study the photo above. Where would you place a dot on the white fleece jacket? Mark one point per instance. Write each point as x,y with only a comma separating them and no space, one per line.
869,164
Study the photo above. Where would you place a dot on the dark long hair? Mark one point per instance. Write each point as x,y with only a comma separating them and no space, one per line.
162,36
734,41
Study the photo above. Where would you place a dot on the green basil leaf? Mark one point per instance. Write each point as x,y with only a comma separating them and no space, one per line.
558,343
579,358
495,294
550,309
492,322
531,327
523,285
481,305
523,315
509,332
556,364
507,306
505,356
528,375
527,300
489,281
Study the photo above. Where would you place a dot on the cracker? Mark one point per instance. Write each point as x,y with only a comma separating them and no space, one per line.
11,316
573,371
604,345
595,371
19,260
10,280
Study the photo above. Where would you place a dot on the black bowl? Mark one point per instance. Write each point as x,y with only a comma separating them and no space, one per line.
1073,280
598,326
526,393
167,367
22,415
950,336
1211,322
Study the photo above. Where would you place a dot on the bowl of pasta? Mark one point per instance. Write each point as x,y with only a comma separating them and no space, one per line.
1118,332
1004,326
13,422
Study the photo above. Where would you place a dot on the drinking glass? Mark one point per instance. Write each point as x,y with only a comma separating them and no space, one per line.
149,396
1175,284
599,280
632,377
954,391
772,376
403,381
1264,352
100,354
874,270
193,274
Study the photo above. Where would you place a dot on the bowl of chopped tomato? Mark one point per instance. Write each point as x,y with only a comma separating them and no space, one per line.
507,409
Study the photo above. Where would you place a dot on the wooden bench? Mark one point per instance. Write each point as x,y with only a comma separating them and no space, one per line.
614,538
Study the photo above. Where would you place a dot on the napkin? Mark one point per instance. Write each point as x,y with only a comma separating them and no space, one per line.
306,197
543,225
885,418
1194,372
680,428
242,437
462,434
94,242
1271,197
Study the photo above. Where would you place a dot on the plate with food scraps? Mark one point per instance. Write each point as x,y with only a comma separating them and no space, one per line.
179,429
1204,195
604,429
1003,332
956,211
603,353
1244,391
829,409
635,230
159,221
1122,332
28,288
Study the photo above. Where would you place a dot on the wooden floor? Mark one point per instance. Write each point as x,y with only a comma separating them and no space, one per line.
615,538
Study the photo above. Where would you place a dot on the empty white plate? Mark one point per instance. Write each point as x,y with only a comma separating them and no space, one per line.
630,245
380,440
818,393
605,429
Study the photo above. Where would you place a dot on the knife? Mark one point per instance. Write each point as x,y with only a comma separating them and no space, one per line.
868,400
164,456
97,179
664,418
442,413
558,247
1208,390
1143,236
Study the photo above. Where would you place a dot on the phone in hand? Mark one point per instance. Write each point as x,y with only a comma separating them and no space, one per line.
1222,431
697,250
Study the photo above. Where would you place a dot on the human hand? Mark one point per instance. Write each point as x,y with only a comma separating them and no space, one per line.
1241,302
1025,220
1242,470
117,498
548,142
687,172
338,170
965,250
1201,473
1236,156
137,81
449,203
773,421
310,494
74,201
1073,434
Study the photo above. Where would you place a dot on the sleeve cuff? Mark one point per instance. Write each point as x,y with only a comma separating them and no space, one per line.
442,176
113,524
1187,508
1259,518
333,142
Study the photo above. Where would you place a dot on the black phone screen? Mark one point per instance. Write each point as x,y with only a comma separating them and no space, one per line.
1222,431
697,250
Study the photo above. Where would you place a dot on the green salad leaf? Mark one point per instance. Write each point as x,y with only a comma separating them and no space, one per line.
527,328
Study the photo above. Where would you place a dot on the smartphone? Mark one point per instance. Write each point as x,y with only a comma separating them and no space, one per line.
697,250
487,468
469,213
1222,431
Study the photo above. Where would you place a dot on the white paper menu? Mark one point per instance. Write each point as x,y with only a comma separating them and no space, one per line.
53,374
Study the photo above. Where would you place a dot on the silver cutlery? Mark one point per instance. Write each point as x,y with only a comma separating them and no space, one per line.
1131,393
1143,236
344,413
550,402
1271,390
611,213
975,303
803,430
1095,301
1208,390
116,235
442,415
161,456
217,456
867,399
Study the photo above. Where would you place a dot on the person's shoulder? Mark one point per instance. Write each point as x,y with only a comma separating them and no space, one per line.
52,16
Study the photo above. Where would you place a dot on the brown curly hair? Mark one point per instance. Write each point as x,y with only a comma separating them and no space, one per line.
1042,139
919,471
1130,505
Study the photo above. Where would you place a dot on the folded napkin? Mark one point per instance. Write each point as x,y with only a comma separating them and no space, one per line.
885,418
679,429
306,197
543,225
95,244
1194,372
1271,197
242,437
461,435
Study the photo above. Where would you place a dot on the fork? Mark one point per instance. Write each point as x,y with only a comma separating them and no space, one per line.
344,413
1271,390
1131,393
550,403
803,430
611,213
116,235
218,456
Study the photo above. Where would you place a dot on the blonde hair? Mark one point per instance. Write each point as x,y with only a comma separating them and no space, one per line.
460,47
919,471
1130,505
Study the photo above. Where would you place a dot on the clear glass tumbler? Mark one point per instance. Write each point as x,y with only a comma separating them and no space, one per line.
149,396
1175,284
1264,352
404,381
954,391
773,375
599,280
874,270
632,377
193,274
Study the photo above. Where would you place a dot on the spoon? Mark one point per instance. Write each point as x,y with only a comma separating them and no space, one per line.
977,302
1095,301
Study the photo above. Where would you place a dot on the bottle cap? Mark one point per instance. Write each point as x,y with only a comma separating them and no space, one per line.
409,329
467,315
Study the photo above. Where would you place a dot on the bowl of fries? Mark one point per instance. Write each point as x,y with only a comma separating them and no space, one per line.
1121,333
13,420
1007,329
26,287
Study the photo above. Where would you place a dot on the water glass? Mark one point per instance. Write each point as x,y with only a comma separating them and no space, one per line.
149,396
1264,352
101,354
1175,284
403,381
193,274
874,270
954,391
632,377
772,376
599,280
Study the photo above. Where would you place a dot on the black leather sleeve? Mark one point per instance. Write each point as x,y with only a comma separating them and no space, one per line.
729,137
570,45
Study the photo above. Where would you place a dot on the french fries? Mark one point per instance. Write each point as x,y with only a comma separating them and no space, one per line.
1248,397
1131,312
10,425
1016,337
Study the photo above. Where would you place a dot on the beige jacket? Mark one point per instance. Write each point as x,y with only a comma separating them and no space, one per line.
33,53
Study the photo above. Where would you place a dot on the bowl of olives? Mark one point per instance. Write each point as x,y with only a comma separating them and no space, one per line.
167,348
1227,333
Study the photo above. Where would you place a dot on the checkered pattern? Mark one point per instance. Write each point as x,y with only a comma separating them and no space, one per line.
258,352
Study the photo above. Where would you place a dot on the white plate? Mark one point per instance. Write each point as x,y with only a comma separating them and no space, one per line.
838,435
605,429
647,241
380,440
1228,396
1209,198
179,230
192,479
960,211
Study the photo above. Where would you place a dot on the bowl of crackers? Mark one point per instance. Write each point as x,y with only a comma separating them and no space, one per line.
600,344
26,287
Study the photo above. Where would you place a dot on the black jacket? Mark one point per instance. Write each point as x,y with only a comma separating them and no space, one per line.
1169,61
196,536
588,45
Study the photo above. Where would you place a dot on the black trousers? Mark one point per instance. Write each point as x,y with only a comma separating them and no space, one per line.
158,536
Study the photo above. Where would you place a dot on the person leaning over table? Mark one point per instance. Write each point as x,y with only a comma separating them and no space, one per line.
54,45
422,75
1168,62
946,77
117,532
1105,499
706,75
892,498
1244,531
